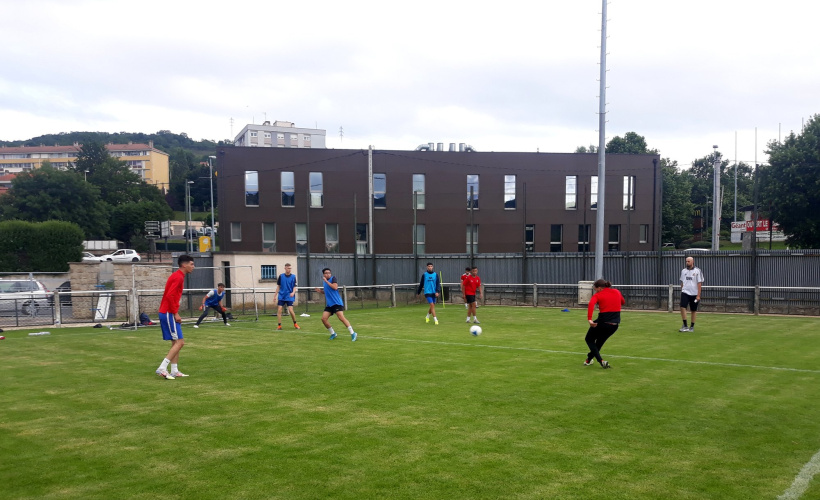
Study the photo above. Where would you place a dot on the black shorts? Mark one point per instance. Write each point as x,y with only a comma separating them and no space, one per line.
470,298
689,300
334,309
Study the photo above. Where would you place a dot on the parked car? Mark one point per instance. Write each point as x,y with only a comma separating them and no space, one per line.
28,297
124,255
208,231
190,233
90,257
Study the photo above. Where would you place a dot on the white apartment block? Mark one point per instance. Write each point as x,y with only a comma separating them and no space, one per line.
280,135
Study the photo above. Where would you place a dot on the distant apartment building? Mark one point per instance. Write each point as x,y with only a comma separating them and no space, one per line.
149,163
280,135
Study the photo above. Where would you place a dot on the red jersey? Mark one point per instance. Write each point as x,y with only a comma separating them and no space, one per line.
471,284
173,292
609,303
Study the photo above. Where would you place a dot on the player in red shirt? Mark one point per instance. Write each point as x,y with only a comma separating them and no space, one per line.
169,319
472,286
609,302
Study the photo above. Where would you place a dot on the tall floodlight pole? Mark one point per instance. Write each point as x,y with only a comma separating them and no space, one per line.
716,204
599,229
213,219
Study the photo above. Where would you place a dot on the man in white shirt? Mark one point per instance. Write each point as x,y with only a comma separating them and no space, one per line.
691,283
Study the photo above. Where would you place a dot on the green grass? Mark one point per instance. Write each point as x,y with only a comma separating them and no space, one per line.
413,410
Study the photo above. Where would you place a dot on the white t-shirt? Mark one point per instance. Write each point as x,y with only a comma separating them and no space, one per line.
690,279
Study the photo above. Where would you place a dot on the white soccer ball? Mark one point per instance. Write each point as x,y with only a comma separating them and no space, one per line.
475,330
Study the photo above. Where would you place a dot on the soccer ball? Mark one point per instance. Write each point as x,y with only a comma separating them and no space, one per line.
475,330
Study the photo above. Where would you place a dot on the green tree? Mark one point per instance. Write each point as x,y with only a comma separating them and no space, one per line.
39,246
677,206
49,194
631,144
702,174
790,185
583,149
128,221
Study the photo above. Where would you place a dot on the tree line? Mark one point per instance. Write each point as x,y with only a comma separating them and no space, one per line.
785,190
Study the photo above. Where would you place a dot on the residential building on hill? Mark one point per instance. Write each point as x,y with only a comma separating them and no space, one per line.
149,163
280,135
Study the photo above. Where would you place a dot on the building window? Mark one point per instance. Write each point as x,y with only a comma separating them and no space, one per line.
361,238
644,233
472,238
280,140
614,237
593,193
294,141
268,237
629,192
316,190
556,238
420,239
267,135
583,237
253,134
571,202
418,191
288,189
380,190
332,238
301,238
251,188
307,141
268,272
529,238
472,190
236,231
509,192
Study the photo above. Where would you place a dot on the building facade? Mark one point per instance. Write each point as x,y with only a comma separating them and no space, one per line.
149,163
431,202
280,135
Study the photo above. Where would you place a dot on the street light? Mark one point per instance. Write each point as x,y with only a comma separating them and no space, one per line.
213,223
86,175
188,244
716,203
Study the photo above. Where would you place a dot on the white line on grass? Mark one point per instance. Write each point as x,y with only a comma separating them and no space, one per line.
801,482
575,353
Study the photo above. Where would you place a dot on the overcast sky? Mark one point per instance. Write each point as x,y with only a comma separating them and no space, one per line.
500,76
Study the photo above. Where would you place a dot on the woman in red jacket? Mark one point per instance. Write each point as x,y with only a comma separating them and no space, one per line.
609,303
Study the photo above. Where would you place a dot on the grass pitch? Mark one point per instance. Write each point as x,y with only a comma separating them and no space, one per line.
412,410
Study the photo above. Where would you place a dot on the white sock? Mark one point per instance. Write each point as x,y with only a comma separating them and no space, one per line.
428,315
174,368
350,328
331,330
164,364
466,305
474,318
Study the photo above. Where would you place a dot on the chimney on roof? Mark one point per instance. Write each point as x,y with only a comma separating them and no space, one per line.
130,142
76,144
151,144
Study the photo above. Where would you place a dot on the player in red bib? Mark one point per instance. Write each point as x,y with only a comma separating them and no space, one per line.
609,303
472,287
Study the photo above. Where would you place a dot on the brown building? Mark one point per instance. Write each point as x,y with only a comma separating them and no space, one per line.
270,199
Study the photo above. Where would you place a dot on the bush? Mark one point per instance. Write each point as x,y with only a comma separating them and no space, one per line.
39,246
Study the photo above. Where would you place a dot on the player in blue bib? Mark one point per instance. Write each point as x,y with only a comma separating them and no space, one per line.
286,293
213,300
430,284
335,305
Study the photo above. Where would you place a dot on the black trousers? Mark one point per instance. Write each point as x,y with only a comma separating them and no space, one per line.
206,312
596,336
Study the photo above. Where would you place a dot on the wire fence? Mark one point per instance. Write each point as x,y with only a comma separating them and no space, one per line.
248,304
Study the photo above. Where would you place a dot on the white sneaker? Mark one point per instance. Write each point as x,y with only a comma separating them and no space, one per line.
227,324
196,326
684,329
178,374
164,374
468,320
476,321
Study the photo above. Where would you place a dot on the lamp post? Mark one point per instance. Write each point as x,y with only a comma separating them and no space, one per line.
85,174
716,202
188,245
213,223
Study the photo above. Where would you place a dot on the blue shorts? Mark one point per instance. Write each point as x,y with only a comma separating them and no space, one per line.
287,303
171,330
431,298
